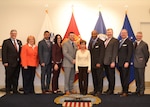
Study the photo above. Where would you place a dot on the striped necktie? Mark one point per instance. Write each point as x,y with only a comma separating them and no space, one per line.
121,42
15,45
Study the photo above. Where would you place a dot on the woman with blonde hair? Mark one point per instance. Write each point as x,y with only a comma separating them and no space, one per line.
29,61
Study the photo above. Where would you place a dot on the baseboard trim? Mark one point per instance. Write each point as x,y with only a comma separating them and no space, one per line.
147,84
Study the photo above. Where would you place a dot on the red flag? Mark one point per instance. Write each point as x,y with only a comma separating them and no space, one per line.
73,28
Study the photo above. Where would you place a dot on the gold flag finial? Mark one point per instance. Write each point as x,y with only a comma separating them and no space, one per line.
126,12
72,8
46,11
126,9
99,6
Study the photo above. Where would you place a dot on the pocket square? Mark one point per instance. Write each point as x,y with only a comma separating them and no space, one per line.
140,59
124,45
96,46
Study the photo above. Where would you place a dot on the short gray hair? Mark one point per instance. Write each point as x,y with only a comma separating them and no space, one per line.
13,30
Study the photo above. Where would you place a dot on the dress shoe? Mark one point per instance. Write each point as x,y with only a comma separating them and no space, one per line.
16,92
135,93
92,93
141,94
98,94
21,89
84,93
110,92
43,92
49,91
8,93
59,91
105,91
67,93
120,93
124,95
73,92
55,92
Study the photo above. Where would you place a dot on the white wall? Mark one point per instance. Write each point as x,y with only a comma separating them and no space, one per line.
27,17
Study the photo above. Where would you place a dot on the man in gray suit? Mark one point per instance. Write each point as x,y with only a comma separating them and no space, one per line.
141,55
111,52
45,53
69,51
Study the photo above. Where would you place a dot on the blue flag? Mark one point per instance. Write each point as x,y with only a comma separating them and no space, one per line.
131,36
100,26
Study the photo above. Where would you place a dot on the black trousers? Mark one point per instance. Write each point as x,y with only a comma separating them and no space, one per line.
124,77
11,79
28,80
110,74
55,78
83,79
97,75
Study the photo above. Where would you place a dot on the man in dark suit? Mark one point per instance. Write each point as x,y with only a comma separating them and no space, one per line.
97,50
11,60
45,57
124,58
141,56
111,52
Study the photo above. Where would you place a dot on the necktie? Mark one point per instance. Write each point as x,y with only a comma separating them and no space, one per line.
91,43
121,43
135,45
72,44
15,45
48,43
106,42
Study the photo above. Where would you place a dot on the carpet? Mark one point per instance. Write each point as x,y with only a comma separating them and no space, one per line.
42,100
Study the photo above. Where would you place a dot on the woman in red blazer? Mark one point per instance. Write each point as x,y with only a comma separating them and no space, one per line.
29,61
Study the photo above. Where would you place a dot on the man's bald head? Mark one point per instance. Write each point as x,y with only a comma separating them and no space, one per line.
94,34
124,33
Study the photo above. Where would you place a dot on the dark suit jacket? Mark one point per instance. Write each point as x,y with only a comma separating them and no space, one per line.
44,52
125,52
141,55
10,54
111,51
97,53
57,55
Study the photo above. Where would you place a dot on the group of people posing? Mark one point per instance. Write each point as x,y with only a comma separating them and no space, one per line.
28,57
101,57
